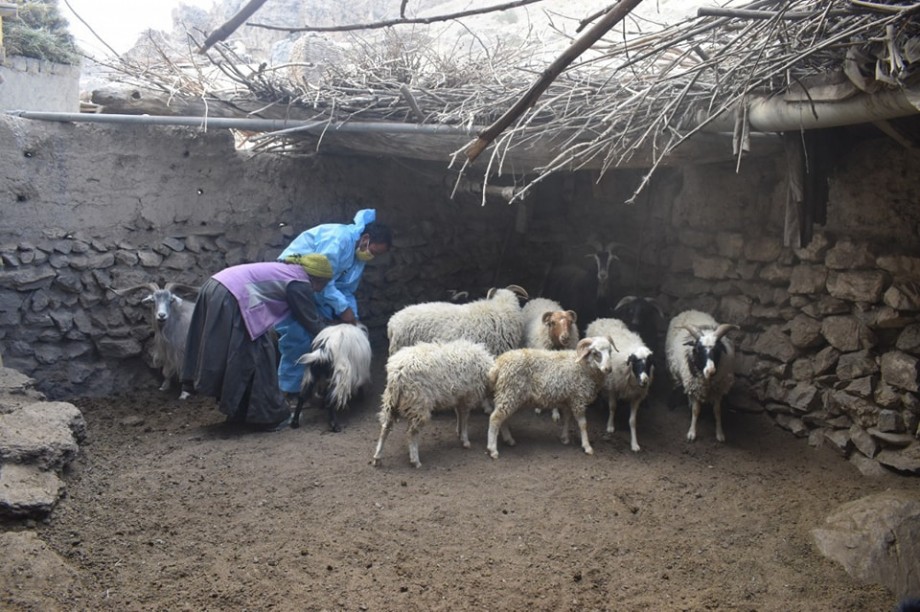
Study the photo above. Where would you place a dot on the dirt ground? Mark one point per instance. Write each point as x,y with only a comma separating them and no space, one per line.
168,509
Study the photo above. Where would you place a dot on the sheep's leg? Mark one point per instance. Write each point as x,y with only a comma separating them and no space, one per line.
295,420
463,420
555,415
413,444
583,429
497,423
385,429
695,414
167,383
717,410
633,440
612,408
506,435
566,422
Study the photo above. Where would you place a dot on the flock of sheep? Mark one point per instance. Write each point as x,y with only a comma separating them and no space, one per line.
495,354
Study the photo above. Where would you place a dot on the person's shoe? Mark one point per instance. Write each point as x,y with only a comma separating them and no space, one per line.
280,425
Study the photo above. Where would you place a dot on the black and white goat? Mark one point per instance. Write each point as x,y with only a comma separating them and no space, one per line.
170,319
586,290
337,367
702,361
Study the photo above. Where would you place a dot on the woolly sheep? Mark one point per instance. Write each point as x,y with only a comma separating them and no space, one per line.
569,379
632,372
338,366
548,326
170,318
701,361
494,321
430,377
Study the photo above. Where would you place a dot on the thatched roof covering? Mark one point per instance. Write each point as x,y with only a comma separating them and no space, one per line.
767,65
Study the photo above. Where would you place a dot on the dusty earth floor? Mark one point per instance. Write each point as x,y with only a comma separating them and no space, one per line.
168,509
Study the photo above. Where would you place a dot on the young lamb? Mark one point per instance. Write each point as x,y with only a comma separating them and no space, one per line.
632,372
570,379
338,366
429,377
170,319
701,360
495,321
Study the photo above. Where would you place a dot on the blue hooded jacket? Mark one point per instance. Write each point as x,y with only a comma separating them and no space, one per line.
337,242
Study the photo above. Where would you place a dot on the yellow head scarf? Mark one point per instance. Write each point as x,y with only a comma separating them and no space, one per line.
315,264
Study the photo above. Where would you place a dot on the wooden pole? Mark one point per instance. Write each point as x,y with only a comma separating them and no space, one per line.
579,46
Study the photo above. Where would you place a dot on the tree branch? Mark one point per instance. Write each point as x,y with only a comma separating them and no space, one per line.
376,25
232,24
616,14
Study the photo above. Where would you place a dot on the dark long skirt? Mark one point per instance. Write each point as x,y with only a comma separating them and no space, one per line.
222,361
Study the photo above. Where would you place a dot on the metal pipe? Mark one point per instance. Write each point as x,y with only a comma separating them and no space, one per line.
777,115
254,125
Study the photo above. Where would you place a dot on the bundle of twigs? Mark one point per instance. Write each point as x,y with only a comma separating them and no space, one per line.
645,93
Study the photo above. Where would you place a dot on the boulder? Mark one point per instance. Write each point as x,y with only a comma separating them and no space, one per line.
877,539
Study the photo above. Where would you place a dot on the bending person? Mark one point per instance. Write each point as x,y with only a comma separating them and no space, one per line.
348,247
230,355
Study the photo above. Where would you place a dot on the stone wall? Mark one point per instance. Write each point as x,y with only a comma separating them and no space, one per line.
830,335
829,338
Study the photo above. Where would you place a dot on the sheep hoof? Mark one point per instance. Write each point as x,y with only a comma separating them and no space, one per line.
184,395
635,448
493,454
164,387
335,428
608,435
465,444
374,462
691,436
417,464
589,451
720,437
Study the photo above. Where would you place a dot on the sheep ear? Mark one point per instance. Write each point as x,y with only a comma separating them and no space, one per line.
547,317
613,344
573,315
583,349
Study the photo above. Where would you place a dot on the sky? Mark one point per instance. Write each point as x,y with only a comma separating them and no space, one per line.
119,22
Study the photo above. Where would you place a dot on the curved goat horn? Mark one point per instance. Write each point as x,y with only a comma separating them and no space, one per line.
693,331
518,290
629,299
127,290
654,304
181,287
723,329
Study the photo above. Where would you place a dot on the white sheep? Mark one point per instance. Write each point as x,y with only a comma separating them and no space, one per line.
701,360
170,319
548,326
338,366
494,321
569,379
430,377
632,372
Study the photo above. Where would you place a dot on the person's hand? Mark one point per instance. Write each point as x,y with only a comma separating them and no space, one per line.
348,316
